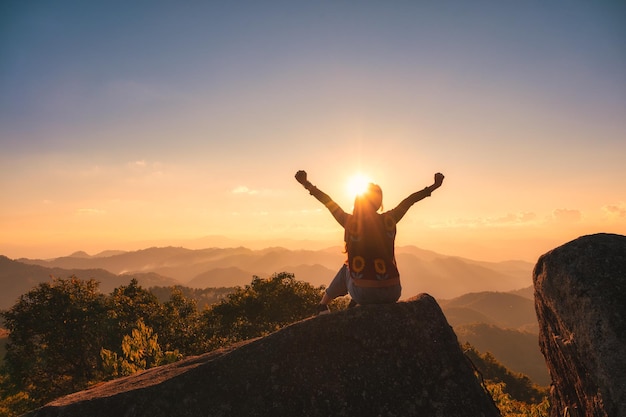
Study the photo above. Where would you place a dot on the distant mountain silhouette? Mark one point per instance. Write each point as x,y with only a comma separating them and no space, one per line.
107,253
446,276
219,277
80,254
471,293
506,310
17,278
528,292
422,271
504,324
518,351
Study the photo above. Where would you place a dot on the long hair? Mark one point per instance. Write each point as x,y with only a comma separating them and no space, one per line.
365,213
366,233
369,200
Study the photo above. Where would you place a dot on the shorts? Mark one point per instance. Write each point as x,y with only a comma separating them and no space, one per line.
343,284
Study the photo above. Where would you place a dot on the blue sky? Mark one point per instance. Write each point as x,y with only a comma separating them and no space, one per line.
154,121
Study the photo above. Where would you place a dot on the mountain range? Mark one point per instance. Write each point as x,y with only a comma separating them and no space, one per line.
502,323
489,304
422,271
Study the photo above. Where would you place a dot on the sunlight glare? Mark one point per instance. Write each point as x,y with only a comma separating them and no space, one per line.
357,184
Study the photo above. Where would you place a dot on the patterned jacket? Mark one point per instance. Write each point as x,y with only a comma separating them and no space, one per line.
370,239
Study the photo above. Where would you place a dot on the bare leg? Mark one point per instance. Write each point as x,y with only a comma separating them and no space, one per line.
337,287
326,299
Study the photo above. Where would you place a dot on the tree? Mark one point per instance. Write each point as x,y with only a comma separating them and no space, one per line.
204,297
55,338
260,308
125,306
514,394
65,335
179,325
140,350
13,402
517,385
510,407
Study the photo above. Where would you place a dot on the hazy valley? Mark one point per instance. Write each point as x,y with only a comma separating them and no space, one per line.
441,276
489,304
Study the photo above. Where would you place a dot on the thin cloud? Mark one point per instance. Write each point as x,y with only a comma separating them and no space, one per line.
144,171
524,219
242,189
615,210
512,219
509,220
142,164
566,215
90,211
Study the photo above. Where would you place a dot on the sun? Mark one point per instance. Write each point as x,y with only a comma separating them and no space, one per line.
357,184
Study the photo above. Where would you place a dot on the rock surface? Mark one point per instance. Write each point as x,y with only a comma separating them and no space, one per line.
400,359
580,300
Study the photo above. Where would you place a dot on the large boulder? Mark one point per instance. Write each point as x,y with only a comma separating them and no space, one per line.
398,359
580,300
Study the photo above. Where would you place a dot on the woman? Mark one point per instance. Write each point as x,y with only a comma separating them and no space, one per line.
370,274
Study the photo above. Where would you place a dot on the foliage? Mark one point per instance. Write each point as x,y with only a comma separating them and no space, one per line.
65,335
128,330
55,335
517,349
13,402
140,350
204,297
518,386
125,306
178,325
514,408
59,328
260,308
4,338
514,394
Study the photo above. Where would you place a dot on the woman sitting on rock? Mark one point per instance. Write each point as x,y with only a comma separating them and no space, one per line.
370,274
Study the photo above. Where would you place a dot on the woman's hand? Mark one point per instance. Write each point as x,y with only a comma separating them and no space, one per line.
438,179
301,177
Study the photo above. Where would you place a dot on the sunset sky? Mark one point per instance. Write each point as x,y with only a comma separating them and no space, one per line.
125,125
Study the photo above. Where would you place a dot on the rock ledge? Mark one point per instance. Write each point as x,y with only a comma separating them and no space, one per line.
400,359
580,299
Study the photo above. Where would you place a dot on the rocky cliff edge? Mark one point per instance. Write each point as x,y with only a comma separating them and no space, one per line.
580,300
399,359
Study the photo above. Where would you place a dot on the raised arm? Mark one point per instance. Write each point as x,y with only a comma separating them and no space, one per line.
406,204
322,197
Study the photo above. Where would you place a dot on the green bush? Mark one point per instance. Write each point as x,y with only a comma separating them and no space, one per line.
262,307
140,350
